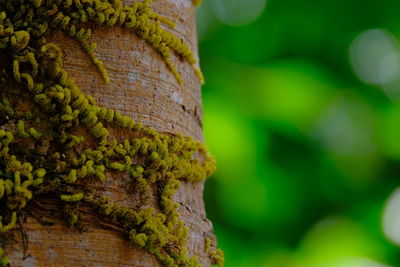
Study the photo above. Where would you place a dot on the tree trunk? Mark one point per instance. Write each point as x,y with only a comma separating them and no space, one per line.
143,88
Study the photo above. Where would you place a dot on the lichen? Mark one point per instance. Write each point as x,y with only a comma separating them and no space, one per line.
60,143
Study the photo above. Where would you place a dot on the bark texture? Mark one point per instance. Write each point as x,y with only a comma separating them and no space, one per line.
143,88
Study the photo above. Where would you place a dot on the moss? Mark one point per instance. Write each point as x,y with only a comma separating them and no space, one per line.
207,244
217,257
197,2
72,198
10,225
40,151
3,260
19,40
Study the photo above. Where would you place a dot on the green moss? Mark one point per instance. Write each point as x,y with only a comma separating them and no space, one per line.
40,151
207,244
217,257
3,260
10,225
72,198
197,2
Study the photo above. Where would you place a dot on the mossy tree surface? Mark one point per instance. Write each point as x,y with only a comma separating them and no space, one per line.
143,85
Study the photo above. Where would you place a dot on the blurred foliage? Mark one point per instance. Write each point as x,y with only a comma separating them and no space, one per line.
307,144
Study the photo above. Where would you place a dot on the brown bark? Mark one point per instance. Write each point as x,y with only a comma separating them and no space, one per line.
143,88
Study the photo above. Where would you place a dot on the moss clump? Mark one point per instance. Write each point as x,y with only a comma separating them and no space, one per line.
44,147
72,198
3,260
216,255
197,2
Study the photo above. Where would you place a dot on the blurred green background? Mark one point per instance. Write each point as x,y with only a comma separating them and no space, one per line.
302,111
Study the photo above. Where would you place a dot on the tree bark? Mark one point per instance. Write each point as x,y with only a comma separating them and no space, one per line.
143,88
